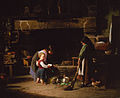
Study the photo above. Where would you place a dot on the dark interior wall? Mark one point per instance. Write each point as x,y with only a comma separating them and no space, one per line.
65,42
2,47
68,7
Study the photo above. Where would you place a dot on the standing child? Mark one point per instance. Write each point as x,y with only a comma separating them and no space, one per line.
41,70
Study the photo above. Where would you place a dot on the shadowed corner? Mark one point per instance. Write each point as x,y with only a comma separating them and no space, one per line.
13,87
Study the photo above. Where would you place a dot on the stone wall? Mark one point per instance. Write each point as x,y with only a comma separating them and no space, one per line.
88,23
67,70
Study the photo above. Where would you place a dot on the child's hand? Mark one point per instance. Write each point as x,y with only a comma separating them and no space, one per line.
50,65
